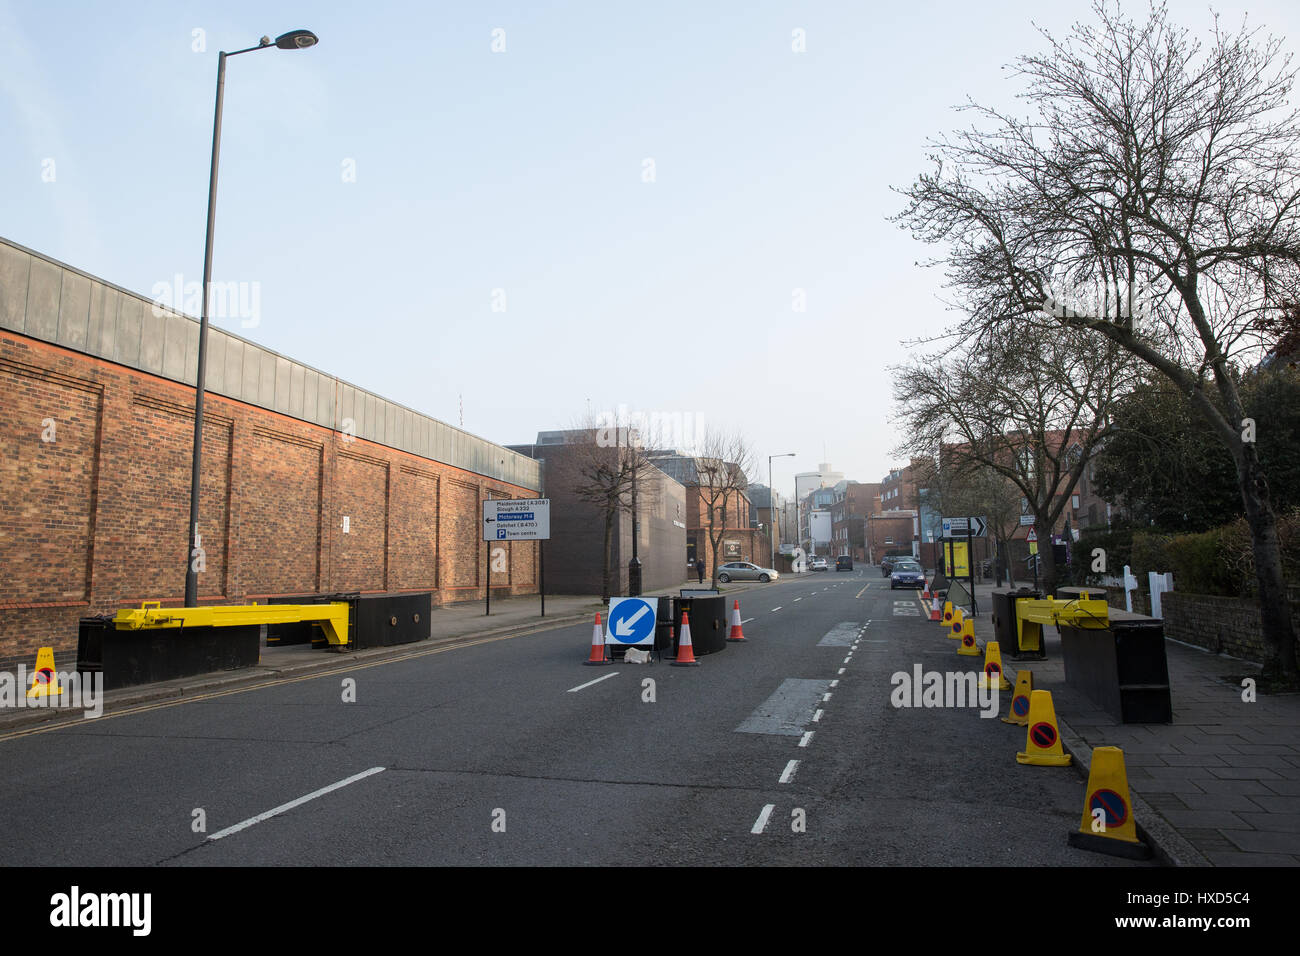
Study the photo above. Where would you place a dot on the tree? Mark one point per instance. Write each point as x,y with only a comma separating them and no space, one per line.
722,468
1026,405
602,464
1151,202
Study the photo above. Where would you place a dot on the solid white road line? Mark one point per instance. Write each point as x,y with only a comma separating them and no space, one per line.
761,822
574,690
788,774
807,736
294,803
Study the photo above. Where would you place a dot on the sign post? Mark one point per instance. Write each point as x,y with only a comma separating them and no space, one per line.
515,519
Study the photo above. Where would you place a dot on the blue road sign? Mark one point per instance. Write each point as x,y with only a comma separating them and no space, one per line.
631,621
501,533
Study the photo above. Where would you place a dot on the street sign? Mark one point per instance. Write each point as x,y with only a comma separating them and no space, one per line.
1032,536
1026,520
517,519
974,527
631,621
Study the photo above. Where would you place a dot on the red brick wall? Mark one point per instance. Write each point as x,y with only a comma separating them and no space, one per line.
94,519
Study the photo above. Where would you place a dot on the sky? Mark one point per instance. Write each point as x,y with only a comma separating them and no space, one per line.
512,216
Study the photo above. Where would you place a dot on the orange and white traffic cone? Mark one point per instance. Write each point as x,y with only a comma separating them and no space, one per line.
736,633
685,653
598,645
934,609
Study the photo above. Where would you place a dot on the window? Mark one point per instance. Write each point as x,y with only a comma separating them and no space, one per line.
1074,502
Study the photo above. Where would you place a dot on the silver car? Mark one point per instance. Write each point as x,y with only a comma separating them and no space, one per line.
744,571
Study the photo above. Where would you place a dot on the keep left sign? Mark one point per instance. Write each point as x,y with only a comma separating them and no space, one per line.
630,621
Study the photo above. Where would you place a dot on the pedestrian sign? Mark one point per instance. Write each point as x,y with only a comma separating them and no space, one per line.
631,621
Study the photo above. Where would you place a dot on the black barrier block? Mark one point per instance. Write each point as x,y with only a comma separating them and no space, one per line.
1004,624
707,617
385,620
1122,668
130,657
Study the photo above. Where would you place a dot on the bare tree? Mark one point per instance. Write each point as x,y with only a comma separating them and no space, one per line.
1154,202
606,465
1028,406
722,468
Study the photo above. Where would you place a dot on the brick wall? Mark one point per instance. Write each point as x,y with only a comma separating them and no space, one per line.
1221,624
95,472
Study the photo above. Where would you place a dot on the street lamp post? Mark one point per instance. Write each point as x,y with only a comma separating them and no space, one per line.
293,40
771,504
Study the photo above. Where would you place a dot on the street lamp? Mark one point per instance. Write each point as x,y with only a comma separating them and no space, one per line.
771,504
293,40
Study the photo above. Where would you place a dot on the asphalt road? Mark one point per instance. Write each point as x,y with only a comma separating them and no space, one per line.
490,755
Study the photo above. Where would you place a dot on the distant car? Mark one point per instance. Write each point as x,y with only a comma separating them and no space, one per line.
744,571
817,564
844,563
906,574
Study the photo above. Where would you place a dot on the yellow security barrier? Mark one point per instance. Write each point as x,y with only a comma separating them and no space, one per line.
1032,614
332,617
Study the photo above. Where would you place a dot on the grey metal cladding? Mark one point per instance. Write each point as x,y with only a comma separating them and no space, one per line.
151,338
15,275
74,310
56,303
43,286
216,362
283,377
130,326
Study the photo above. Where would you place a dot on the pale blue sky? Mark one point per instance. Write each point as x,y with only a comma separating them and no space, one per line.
522,171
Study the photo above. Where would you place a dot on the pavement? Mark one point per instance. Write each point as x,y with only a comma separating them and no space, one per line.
1220,785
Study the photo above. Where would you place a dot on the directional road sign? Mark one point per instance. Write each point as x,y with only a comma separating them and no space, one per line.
960,527
517,519
631,621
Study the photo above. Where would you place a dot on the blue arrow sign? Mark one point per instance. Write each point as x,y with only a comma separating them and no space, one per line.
631,621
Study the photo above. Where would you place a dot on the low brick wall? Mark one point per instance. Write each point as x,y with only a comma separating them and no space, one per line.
1223,625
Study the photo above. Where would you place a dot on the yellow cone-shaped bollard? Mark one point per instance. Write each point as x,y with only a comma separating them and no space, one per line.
1018,713
993,667
1043,740
955,625
947,613
45,682
1108,825
968,647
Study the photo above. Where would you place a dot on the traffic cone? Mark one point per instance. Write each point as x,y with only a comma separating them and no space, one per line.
1043,741
598,645
947,613
935,613
1019,711
1108,825
955,624
736,633
993,666
925,590
45,681
968,646
685,653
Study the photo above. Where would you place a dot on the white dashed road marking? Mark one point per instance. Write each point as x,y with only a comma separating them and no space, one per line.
761,822
803,742
788,774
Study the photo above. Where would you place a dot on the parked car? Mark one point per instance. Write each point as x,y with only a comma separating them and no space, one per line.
817,564
744,571
844,563
906,573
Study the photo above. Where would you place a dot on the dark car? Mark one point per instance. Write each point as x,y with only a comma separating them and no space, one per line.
844,563
906,573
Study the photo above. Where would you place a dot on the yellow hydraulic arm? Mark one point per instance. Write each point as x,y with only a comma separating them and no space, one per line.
1031,615
332,617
